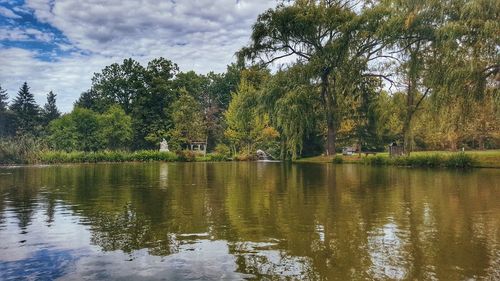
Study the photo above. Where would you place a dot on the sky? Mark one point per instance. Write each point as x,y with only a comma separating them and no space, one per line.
57,45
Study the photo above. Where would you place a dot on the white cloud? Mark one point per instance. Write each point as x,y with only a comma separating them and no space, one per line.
8,13
67,77
198,35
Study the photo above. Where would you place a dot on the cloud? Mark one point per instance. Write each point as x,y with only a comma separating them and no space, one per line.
198,35
25,34
8,13
67,77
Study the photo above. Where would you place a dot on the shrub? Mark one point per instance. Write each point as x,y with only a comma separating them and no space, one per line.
21,150
338,159
52,157
459,160
376,160
223,150
186,155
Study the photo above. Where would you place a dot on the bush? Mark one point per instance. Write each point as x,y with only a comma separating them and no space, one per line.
223,150
459,160
21,150
186,155
244,156
376,160
212,157
338,159
52,157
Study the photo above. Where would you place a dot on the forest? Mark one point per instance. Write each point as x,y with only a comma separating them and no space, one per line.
315,76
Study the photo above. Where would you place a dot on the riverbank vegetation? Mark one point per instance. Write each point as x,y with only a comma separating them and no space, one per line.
316,76
482,159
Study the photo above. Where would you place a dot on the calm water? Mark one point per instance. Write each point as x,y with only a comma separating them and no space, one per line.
212,221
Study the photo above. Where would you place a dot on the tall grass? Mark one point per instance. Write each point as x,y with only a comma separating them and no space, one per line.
458,160
53,157
21,150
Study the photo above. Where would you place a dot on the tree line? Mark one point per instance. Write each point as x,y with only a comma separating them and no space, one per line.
422,73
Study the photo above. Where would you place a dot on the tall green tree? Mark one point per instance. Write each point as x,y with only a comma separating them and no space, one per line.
411,30
115,128
87,126
118,84
4,97
7,118
63,135
151,116
319,34
26,111
50,110
294,109
189,125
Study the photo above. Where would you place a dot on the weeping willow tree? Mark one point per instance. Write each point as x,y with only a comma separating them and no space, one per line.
464,68
325,36
411,33
294,108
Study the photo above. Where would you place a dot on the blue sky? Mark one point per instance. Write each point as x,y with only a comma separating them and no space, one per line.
58,44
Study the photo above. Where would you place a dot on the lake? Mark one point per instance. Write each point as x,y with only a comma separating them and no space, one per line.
248,220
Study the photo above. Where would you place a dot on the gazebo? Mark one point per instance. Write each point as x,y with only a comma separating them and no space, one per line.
198,146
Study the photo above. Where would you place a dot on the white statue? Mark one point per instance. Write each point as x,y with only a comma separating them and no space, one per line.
164,146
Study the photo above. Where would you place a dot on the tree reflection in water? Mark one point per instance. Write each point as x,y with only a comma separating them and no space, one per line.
263,220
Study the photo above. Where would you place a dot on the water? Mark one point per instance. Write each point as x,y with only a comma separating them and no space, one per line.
232,221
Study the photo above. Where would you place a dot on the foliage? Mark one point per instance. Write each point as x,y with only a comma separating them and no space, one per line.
52,157
20,150
50,111
86,130
455,160
115,128
26,111
3,99
338,159
247,127
188,121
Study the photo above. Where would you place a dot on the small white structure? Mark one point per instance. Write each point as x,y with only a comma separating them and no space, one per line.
164,146
349,150
200,146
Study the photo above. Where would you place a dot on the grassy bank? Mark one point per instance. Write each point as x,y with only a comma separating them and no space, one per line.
484,159
57,157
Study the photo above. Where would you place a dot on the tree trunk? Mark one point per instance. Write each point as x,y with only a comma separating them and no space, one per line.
407,135
410,109
331,134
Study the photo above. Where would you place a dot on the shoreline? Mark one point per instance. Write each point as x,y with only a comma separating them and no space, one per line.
429,159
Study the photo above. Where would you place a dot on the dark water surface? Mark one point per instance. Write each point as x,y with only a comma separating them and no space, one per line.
213,221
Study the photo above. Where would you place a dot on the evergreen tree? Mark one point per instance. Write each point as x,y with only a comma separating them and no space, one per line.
6,116
26,111
50,111
3,99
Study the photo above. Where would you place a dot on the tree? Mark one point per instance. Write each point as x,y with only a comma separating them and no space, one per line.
246,126
188,121
86,123
115,128
3,99
151,114
7,118
120,83
63,134
26,111
324,35
294,109
50,111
